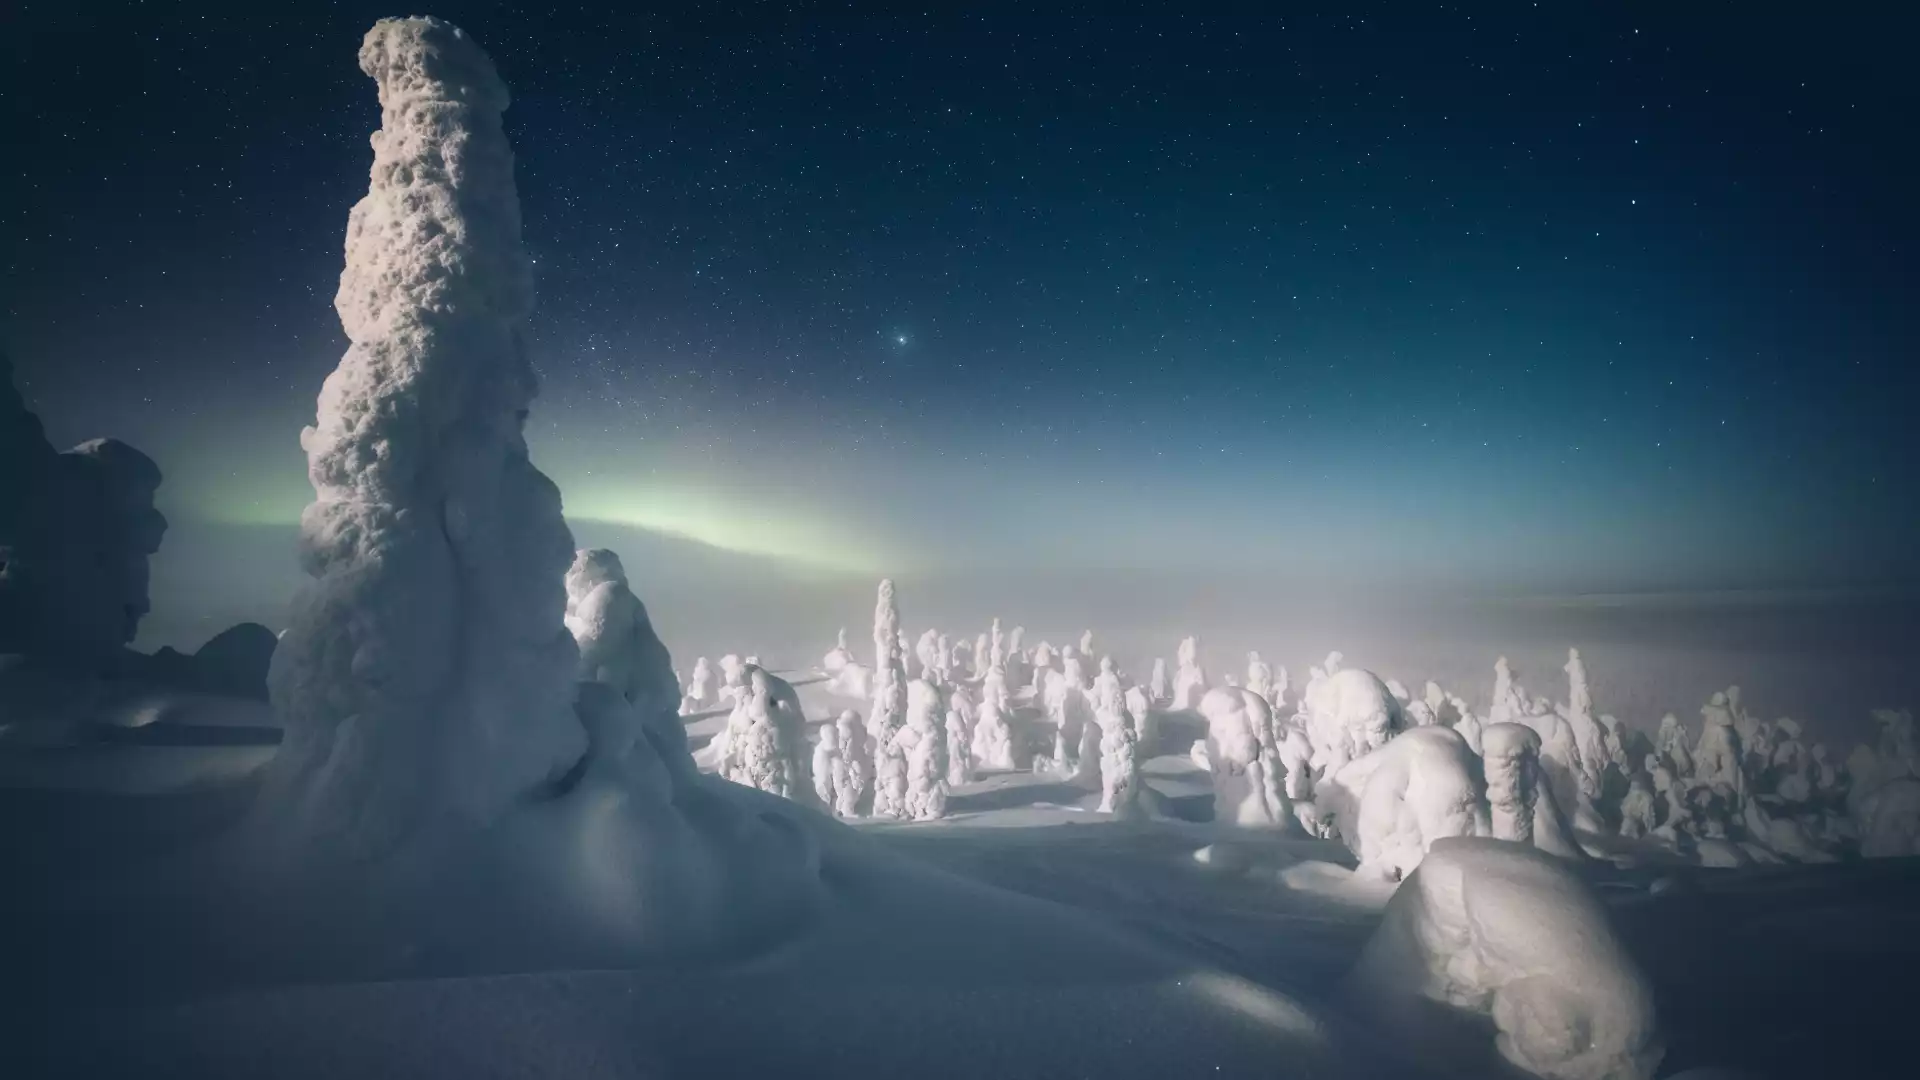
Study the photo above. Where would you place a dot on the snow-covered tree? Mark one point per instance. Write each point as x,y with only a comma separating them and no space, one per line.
889,715
436,734
1637,812
1519,797
992,738
1119,760
1396,801
839,656
616,639
853,770
1260,677
703,688
1140,714
924,742
76,532
1506,704
1189,679
981,648
829,764
1500,932
1248,785
1157,684
1671,742
927,652
767,746
1086,643
1351,714
1716,757
960,721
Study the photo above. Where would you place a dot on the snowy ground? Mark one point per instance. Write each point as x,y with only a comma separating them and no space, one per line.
1787,971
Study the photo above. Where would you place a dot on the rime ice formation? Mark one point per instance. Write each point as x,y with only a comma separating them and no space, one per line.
1260,677
1393,803
1157,684
1248,785
430,645
1671,742
839,656
1716,757
1579,694
437,740
1189,678
853,769
927,651
1140,714
1119,759
1559,755
960,721
1350,713
992,738
76,531
703,688
615,638
1506,699
1637,809
924,741
1520,800
889,714
1492,931
766,738
829,764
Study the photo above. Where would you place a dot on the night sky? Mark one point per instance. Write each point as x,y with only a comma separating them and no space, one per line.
1550,296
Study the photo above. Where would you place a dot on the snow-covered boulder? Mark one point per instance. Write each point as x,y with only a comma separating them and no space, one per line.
1395,802
1489,932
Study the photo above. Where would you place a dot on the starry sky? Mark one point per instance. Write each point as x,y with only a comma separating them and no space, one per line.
1547,296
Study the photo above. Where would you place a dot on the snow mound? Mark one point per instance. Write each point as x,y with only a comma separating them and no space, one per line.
1488,929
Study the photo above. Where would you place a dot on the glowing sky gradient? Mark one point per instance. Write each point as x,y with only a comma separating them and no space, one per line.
1556,297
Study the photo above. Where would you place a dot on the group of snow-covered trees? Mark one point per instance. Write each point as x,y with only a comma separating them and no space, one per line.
1350,755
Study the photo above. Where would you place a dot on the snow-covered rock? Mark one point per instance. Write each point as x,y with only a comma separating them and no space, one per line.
1488,931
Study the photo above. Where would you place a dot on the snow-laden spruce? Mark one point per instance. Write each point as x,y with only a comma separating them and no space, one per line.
1119,744
1394,803
889,713
1492,931
437,740
1249,788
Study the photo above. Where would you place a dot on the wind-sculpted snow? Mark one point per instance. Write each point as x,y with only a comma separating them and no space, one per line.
1497,930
